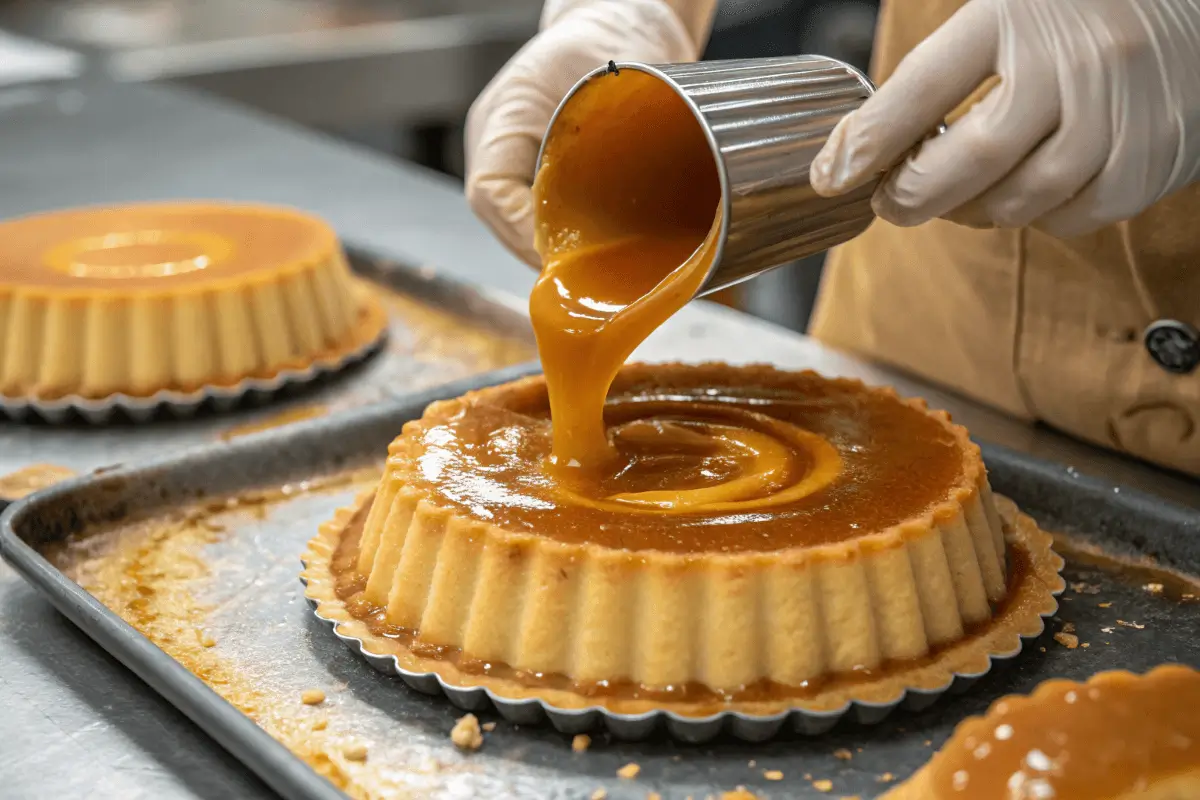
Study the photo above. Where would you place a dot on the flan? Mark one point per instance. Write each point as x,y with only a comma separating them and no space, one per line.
697,538
1119,736
762,539
135,300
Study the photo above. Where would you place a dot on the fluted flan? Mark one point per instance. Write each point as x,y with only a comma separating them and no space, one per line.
172,296
1117,736
767,539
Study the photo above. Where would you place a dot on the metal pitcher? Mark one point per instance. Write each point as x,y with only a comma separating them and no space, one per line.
766,119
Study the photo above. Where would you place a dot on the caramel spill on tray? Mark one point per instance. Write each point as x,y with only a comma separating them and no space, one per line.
33,478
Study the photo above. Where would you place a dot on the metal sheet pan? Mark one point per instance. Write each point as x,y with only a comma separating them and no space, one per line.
440,329
238,592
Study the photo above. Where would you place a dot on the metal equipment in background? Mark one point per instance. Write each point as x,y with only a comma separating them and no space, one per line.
388,73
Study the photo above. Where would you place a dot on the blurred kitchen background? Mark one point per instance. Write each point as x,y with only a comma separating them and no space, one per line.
393,75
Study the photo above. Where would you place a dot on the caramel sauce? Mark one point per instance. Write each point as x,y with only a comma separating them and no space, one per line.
1069,741
289,417
894,462
628,221
627,203
152,573
33,478
1135,571
143,247
349,584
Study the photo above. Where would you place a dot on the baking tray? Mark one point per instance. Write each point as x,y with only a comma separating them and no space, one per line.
249,604
440,329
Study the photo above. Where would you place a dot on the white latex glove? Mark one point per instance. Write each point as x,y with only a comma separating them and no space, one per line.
1096,117
507,121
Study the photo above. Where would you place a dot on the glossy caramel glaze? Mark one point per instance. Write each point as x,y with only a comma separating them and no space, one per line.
626,202
485,456
155,247
1114,735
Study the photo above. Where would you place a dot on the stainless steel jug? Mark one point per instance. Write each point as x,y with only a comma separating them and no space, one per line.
766,119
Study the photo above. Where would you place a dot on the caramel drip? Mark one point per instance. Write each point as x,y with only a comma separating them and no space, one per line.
1114,734
628,219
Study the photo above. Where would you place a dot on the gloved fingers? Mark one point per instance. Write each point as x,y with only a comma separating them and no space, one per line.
1051,176
1119,190
975,153
498,184
1111,196
506,123
503,134
1078,216
505,205
1148,134
593,34
927,85
1059,168
505,126
1138,155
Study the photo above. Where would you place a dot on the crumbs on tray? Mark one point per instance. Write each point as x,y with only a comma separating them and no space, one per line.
466,734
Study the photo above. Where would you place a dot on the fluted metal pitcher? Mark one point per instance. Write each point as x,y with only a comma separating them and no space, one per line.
765,120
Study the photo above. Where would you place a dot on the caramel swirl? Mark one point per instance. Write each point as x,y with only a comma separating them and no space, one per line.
804,459
138,254
744,460
156,246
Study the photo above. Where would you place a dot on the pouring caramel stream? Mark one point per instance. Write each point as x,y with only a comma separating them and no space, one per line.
627,209
628,212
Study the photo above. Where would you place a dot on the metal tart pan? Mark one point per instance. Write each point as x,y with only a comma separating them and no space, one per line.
688,729
181,405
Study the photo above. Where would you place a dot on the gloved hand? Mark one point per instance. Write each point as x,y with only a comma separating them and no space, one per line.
1096,117
508,120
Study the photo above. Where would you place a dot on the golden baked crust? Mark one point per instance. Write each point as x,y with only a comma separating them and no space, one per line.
175,296
1118,736
580,623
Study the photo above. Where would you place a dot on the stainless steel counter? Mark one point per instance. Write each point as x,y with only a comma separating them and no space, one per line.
74,722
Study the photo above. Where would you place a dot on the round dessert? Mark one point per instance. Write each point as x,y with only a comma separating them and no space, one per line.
1116,737
140,299
757,538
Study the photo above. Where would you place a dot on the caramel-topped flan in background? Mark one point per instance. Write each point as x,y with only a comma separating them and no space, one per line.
138,299
761,539
1119,736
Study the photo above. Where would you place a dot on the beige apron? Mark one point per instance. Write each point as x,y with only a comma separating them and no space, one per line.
1044,329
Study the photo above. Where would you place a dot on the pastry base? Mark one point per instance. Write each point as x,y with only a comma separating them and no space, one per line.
1031,598
369,330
